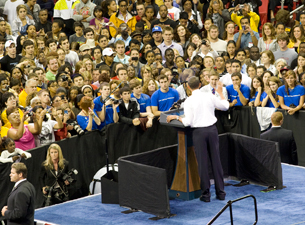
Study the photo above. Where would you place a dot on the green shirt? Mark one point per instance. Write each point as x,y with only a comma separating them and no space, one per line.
50,76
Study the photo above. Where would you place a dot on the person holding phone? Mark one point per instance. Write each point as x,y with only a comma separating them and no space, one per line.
87,118
134,61
246,37
64,115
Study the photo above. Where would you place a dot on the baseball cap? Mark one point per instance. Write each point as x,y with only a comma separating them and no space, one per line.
156,29
84,47
108,52
284,68
135,33
91,43
8,43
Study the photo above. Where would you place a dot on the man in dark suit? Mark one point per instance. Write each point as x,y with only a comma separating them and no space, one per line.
288,149
20,204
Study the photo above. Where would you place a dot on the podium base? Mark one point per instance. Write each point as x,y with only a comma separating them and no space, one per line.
184,195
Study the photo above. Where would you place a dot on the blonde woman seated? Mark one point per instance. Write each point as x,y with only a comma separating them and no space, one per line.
268,40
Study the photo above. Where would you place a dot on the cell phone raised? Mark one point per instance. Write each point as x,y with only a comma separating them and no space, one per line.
135,58
66,112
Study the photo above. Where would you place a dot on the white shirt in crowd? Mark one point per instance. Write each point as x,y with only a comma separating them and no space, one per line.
8,157
226,79
10,10
199,109
208,89
173,13
219,46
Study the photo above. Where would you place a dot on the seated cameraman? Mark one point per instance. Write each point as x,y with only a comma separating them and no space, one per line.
53,168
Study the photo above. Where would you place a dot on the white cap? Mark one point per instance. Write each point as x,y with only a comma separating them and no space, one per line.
91,43
84,47
108,52
8,43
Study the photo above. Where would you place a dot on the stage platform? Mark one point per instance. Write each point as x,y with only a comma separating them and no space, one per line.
283,207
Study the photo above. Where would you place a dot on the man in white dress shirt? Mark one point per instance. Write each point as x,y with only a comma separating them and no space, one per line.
236,67
212,86
199,112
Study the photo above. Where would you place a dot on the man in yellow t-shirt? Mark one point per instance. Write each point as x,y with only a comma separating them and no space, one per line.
30,87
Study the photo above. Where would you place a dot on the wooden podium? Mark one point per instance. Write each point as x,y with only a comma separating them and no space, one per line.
186,181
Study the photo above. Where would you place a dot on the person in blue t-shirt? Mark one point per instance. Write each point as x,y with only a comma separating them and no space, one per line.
143,100
291,95
272,100
87,119
238,93
108,112
164,98
257,93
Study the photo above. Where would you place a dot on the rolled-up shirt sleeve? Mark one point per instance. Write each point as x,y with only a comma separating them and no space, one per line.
221,104
188,114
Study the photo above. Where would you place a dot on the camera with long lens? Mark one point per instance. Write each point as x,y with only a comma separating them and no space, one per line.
68,176
64,78
77,128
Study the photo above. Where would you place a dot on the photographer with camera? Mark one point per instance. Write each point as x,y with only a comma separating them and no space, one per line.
87,118
46,136
206,49
105,107
23,135
53,169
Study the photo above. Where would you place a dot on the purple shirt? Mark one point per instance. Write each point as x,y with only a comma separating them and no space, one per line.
174,45
92,22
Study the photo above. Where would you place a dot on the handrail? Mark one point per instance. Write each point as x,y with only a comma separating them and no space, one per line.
229,204
296,10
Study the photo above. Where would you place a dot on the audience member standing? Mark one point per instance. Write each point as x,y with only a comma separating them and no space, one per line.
21,201
284,137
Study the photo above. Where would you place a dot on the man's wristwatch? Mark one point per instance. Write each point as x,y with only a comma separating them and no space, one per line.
177,118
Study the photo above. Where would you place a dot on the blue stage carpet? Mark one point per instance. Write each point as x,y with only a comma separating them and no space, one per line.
281,207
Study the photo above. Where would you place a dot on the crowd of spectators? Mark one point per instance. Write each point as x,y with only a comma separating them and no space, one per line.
102,62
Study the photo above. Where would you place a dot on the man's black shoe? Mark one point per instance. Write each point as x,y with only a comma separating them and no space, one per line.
204,199
221,197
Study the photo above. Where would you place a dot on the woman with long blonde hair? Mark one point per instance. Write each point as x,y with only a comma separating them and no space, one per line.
268,40
52,171
297,35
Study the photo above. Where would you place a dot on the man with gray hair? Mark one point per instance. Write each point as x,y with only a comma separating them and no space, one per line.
30,87
35,101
